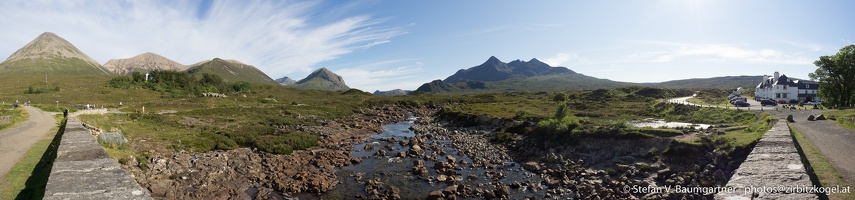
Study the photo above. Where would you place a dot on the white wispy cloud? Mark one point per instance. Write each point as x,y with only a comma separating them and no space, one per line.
374,77
279,37
670,51
560,59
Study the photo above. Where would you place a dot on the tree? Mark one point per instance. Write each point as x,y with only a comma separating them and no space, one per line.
836,77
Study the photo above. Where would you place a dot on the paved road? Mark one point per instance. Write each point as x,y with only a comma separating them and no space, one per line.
16,141
835,142
755,105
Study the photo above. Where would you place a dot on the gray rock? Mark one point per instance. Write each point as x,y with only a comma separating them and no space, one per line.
790,118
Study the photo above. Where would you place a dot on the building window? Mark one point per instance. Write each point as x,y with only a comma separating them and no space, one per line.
785,87
784,94
778,95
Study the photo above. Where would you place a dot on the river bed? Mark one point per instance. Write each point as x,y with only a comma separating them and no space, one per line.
379,173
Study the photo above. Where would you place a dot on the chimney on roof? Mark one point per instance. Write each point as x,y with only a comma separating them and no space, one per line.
777,75
765,77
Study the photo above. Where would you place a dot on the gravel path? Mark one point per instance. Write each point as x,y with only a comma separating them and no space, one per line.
16,141
837,143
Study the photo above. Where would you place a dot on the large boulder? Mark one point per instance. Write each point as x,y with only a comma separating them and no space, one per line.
811,118
435,195
820,117
112,137
790,118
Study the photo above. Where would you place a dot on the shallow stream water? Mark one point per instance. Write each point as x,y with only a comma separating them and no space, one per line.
659,123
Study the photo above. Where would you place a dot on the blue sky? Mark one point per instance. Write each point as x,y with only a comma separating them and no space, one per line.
385,44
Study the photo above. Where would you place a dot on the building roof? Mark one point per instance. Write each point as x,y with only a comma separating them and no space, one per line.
792,82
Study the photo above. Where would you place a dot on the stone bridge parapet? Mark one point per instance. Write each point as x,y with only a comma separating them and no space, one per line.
83,170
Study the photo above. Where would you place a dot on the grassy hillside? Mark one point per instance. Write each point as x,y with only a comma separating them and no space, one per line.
729,82
231,72
52,67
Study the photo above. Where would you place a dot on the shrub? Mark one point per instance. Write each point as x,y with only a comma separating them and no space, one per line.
565,124
502,137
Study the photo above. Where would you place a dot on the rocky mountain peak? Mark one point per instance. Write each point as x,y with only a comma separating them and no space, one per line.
147,61
285,81
49,45
322,79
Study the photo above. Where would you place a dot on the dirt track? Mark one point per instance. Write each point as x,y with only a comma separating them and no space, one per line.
16,141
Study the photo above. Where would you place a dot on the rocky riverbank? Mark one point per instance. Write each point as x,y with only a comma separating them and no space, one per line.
446,160
247,174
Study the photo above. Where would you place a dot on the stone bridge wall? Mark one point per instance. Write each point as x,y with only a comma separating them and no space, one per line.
775,166
83,170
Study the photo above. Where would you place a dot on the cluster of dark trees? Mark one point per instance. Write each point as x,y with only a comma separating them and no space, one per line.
836,76
178,84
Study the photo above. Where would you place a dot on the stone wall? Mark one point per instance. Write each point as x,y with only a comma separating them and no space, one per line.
772,168
83,170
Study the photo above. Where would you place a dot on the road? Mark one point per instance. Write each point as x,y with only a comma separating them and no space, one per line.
755,105
17,140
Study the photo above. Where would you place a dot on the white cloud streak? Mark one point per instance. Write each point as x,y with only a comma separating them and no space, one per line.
279,37
560,59
718,53
372,77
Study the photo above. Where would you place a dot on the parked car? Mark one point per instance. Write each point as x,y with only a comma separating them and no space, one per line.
793,101
738,99
781,101
741,104
813,103
765,102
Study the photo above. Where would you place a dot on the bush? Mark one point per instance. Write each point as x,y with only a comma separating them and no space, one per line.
286,143
502,137
564,125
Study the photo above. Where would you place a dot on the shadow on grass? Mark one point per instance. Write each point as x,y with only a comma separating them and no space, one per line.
35,185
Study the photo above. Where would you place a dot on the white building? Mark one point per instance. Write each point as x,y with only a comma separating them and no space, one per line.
781,87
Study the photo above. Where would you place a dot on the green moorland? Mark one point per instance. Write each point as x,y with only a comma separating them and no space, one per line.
169,113
602,113
845,118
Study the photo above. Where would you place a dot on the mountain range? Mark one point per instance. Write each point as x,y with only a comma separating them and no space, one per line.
495,70
51,54
395,92
534,75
